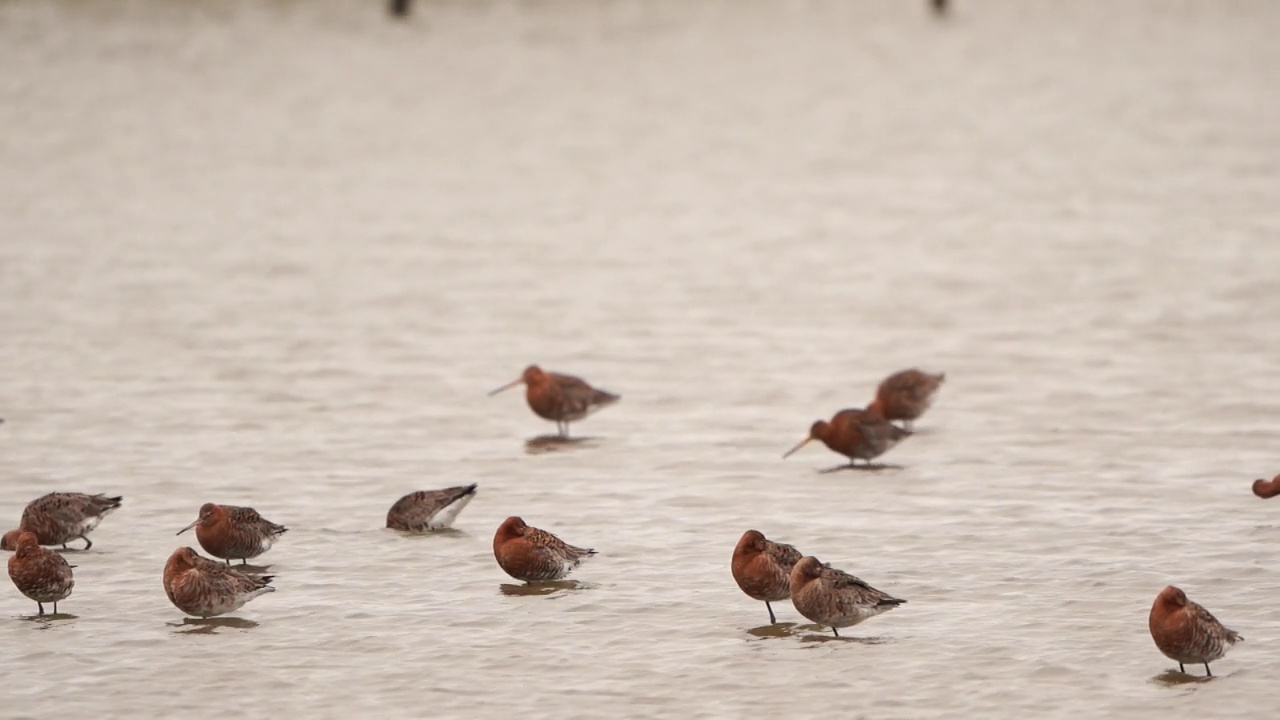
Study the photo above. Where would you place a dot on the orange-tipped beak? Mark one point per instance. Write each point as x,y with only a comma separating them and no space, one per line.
508,386
197,522
801,444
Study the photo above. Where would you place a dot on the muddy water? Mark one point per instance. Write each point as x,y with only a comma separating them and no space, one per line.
276,253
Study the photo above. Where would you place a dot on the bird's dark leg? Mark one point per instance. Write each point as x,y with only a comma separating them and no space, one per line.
228,561
55,607
836,632
244,561
1181,669
64,546
772,619
41,606
87,542
1207,671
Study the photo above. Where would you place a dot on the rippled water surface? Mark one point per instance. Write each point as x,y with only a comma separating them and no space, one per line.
276,253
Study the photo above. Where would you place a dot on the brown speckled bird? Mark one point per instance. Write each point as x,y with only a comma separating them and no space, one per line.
230,532
429,509
204,588
1186,632
762,568
562,398
532,555
856,434
906,394
42,575
58,518
833,597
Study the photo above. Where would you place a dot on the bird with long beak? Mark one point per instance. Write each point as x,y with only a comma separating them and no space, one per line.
562,398
856,434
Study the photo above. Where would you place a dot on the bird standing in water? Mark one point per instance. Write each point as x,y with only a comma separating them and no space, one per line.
906,395
42,575
60,517
856,434
833,597
562,398
762,568
230,532
1184,631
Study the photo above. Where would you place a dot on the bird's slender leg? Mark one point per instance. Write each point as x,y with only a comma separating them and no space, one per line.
41,606
1181,669
772,619
64,546
1207,671
228,561
87,542
837,632
244,561
55,607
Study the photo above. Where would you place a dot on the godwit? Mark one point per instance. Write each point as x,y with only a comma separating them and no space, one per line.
833,597
562,398
856,434
429,509
58,518
230,532
906,394
204,588
1267,489
42,575
1186,632
762,568
533,555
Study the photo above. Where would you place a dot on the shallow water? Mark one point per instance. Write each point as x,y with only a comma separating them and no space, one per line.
276,254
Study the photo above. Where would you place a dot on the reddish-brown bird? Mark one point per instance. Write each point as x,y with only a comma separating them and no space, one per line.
856,434
204,588
1267,489
833,597
906,394
532,555
230,532
429,509
58,518
42,575
762,568
562,398
1186,632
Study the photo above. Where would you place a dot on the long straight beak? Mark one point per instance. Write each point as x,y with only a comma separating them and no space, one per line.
508,386
801,444
197,522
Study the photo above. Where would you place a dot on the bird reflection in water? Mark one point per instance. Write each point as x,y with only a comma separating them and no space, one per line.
820,636
554,443
209,626
866,467
542,588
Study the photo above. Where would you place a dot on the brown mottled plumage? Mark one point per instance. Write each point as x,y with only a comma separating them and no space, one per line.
58,518
562,398
42,575
204,588
1267,489
833,597
762,568
532,555
1186,632
230,532
856,434
906,394
429,509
